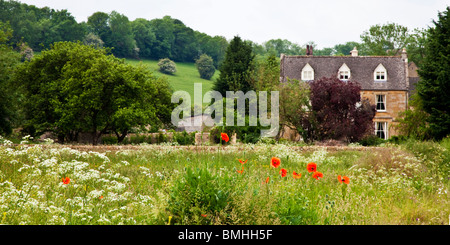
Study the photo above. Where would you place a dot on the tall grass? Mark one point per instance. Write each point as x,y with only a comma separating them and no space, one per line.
162,184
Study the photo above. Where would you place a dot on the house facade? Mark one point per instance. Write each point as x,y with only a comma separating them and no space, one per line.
384,80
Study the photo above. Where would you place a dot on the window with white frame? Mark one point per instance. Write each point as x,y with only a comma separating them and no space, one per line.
344,73
381,130
307,73
381,102
380,74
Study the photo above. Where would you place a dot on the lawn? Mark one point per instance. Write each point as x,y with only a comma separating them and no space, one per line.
169,184
183,79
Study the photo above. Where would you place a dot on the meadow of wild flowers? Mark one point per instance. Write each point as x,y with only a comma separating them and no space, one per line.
248,184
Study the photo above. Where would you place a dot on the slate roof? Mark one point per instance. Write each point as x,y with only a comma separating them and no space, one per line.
413,84
361,67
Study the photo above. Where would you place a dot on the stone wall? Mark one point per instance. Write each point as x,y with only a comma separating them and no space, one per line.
202,138
396,101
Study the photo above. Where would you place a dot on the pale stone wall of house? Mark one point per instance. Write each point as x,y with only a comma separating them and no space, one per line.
290,134
396,102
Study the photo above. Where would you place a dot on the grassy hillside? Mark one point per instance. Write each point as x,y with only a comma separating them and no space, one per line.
183,79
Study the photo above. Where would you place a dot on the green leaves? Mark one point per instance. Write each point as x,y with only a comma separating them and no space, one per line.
167,66
434,86
73,88
8,60
236,68
205,66
198,192
388,39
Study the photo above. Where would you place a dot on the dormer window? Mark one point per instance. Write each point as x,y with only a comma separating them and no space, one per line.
344,73
307,73
380,74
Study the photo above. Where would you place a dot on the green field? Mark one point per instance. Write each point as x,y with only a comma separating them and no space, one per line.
165,184
183,79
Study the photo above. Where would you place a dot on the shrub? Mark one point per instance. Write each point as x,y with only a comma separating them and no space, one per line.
205,66
371,140
109,140
167,66
138,139
198,192
413,122
184,138
397,139
251,138
162,138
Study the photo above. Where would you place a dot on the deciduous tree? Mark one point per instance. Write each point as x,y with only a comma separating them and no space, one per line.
73,88
144,36
388,39
339,112
9,59
295,108
205,66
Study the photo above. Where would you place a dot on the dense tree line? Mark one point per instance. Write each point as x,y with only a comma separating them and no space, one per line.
171,38
380,40
39,27
9,59
140,38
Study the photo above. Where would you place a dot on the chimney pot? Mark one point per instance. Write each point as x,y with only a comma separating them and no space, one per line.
404,55
354,52
309,49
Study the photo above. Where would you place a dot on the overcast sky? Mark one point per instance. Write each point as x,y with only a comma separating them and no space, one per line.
326,22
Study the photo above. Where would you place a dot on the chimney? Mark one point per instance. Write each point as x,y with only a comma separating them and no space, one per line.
404,55
405,60
354,52
309,50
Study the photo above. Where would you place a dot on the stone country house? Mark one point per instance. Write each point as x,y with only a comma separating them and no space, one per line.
386,81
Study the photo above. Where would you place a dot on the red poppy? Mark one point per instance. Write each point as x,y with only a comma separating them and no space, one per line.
283,172
224,137
317,175
344,179
204,215
243,162
296,175
312,167
275,162
240,171
267,180
101,197
66,180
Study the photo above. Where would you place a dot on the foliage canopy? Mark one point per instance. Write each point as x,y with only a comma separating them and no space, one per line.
205,66
73,88
236,69
336,111
434,85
